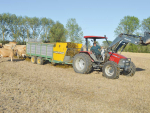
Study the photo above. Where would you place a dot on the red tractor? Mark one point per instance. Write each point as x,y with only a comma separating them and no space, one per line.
111,63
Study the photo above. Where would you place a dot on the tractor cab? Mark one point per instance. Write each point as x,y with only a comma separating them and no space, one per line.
94,39
95,58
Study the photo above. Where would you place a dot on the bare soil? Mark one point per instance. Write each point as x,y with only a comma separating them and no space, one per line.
27,87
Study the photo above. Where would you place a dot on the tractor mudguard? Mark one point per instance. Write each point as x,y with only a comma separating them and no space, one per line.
88,53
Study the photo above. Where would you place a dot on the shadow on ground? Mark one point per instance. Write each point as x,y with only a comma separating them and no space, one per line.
140,69
16,60
97,71
46,62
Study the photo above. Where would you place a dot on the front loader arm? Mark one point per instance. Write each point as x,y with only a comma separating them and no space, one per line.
123,39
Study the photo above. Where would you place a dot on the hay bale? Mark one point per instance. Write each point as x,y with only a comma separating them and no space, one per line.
72,52
72,49
71,45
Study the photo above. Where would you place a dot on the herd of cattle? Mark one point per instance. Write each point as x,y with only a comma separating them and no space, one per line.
12,49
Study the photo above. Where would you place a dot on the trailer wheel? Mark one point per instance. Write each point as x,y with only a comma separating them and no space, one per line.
132,70
40,61
111,70
33,59
82,63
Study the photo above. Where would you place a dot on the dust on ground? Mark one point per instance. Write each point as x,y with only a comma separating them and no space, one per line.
27,87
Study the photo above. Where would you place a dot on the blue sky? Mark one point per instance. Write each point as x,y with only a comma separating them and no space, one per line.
95,17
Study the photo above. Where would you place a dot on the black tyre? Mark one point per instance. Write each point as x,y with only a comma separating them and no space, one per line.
82,63
132,70
40,61
111,70
33,59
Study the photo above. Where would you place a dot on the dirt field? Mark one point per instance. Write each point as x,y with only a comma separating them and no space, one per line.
27,87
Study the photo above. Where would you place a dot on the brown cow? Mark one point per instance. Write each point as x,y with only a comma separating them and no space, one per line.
21,53
7,53
7,47
20,46
20,50
13,43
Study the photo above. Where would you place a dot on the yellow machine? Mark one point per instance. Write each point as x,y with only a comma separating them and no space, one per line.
64,51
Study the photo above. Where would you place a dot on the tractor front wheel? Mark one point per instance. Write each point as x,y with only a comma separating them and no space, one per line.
82,63
132,70
111,70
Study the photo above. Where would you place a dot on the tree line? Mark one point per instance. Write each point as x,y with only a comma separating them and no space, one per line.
20,29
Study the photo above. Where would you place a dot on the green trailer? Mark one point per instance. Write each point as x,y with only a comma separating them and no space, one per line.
55,53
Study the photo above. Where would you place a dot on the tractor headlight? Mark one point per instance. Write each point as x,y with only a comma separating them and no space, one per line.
127,63
123,63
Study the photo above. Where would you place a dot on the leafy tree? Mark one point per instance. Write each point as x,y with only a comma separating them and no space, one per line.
98,43
58,33
34,24
128,25
23,29
46,25
14,29
89,43
75,33
146,24
4,24
105,44
26,25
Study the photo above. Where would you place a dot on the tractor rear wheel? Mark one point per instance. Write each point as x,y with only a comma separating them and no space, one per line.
40,61
33,59
111,70
132,70
82,63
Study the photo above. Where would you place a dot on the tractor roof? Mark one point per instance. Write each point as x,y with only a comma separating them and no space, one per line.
95,37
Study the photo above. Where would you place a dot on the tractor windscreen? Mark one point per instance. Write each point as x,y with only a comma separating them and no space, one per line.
119,46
